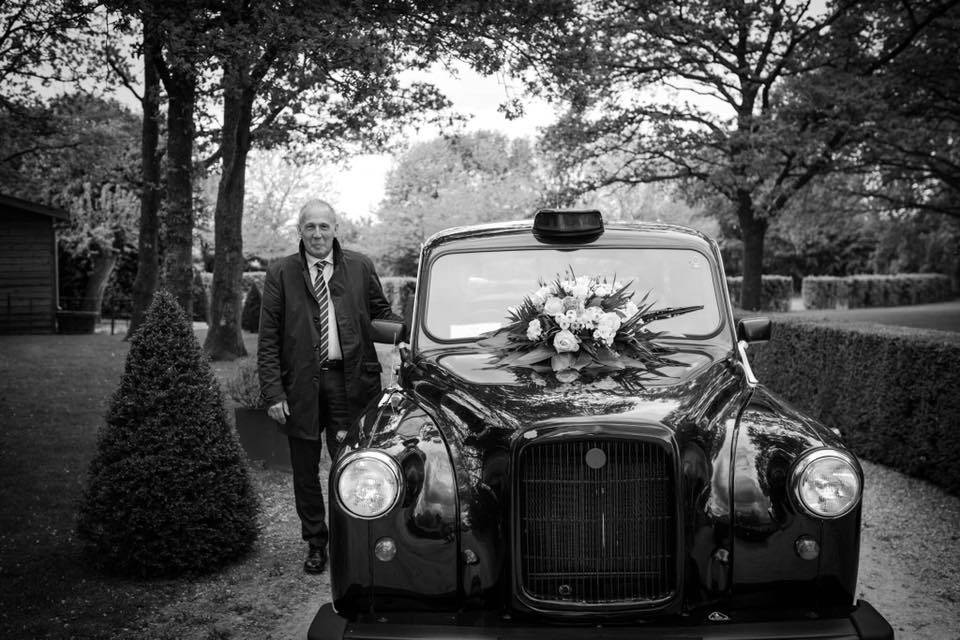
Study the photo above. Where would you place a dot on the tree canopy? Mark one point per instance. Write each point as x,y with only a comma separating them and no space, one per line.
451,181
749,102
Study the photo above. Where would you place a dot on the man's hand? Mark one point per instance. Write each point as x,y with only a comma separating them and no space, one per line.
279,411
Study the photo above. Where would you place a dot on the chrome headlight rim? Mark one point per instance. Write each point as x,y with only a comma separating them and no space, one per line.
804,462
373,454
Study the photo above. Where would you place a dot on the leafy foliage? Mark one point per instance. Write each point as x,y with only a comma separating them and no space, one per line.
244,387
747,102
168,490
446,182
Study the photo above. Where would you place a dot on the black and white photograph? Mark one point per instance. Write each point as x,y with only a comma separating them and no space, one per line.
486,320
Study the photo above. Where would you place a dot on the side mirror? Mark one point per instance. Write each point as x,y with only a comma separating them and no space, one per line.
389,331
752,330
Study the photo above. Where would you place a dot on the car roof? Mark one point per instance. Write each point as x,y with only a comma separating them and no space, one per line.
520,233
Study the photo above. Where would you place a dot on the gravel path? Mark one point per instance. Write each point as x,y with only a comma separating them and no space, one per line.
910,555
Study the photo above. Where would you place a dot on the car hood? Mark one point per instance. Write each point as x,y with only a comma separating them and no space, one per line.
476,395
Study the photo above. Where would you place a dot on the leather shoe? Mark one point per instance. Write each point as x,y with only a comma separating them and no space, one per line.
316,560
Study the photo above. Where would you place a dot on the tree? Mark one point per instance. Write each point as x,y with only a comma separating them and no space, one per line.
100,231
41,41
457,180
276,186
912,161
751,102
168,490
330,75
325,73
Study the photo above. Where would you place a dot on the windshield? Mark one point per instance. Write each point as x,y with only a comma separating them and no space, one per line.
470,293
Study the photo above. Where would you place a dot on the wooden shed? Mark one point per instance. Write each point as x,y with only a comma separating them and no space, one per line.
28,266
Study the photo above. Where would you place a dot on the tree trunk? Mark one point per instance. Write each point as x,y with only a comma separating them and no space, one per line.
148,264
178,246
225,339
103,265
752,231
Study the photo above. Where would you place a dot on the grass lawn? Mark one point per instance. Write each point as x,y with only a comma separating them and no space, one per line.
942,316
54,391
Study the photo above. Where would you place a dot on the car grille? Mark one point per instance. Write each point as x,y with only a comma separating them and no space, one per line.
596,522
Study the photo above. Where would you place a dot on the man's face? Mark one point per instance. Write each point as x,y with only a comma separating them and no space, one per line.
318,228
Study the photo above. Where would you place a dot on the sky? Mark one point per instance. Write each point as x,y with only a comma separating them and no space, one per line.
360,186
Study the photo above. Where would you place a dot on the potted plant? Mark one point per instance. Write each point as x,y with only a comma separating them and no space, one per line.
258,432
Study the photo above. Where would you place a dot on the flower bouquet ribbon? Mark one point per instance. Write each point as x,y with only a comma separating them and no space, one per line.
582,323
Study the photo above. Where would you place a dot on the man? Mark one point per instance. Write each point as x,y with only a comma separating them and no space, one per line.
317,363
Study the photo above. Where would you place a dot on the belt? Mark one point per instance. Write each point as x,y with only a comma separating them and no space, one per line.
331,365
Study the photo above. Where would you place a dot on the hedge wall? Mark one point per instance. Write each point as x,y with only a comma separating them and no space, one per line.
829,292
775,294
892,391
399,291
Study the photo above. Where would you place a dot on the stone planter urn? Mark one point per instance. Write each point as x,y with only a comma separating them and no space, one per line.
261,438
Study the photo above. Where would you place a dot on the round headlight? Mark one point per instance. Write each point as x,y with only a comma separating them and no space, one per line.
368,483
827,483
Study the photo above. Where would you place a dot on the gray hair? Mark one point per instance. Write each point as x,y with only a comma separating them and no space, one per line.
315,203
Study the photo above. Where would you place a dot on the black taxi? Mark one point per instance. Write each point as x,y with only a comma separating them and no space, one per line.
576,447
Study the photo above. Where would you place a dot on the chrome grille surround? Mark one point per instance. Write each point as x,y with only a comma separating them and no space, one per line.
595,522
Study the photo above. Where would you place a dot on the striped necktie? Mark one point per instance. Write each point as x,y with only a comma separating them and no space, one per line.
320,291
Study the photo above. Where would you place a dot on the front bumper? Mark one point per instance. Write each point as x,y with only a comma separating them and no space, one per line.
863,623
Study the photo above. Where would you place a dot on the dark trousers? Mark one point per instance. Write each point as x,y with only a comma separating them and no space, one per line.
305,459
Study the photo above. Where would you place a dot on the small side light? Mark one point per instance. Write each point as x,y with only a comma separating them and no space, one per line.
807,548
385,549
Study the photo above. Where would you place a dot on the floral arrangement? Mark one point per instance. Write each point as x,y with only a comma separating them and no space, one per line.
582,323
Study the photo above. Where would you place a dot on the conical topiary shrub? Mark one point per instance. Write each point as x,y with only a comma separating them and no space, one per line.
250,315
168,490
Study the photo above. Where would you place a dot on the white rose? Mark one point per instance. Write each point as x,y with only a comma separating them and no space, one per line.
565,342
553,306
580,290
609,321
534,330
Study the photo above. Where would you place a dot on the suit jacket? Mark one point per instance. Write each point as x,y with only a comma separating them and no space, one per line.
288,345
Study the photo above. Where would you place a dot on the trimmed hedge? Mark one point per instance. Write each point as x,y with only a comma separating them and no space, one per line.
399,291
168,491
775,294
829,292
250,314
892,391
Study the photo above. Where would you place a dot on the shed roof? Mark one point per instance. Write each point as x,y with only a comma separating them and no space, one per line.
18,204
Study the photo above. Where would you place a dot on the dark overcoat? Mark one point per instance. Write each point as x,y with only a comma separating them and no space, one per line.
288,345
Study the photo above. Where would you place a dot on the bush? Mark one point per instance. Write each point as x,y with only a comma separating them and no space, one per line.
244,387
250,315
400,291
892,391
252,279
775,295
824,292
168,490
